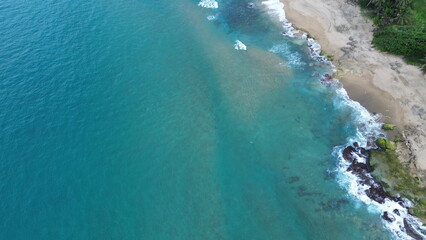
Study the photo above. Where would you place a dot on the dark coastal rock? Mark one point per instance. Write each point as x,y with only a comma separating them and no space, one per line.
376,191
410,231
364,152
351,154
358,167
347,153
388,217
396,211
327,80
355,149
401,202
250,5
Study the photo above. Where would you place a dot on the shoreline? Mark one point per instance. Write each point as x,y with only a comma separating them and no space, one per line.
381,82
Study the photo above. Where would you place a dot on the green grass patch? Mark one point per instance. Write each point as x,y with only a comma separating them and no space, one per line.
398,138
419,12
396,179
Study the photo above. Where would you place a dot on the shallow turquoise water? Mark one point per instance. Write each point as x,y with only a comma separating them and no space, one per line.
138,120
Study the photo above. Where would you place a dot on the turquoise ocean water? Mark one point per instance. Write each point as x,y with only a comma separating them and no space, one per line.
139,120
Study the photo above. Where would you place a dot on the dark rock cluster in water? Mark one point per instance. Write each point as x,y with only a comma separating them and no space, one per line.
327,80
362,169
411,232
388,217
358,158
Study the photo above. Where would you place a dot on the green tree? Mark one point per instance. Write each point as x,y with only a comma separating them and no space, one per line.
404,3
403,17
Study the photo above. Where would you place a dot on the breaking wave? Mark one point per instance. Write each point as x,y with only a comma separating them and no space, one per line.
353,167
208,4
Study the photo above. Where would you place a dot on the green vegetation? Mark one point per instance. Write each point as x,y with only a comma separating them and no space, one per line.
396,179
401,40
305,31
330,57
388,127
386,144
401,28
398,139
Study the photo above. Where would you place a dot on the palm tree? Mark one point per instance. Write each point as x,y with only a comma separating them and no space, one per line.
404,3
403,17
379,4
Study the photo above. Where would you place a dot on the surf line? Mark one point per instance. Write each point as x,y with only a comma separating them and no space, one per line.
353,157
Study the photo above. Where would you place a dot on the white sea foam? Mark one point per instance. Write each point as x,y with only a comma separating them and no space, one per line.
276,8
368,125
238,45
315,51
292,58
208,4
211,17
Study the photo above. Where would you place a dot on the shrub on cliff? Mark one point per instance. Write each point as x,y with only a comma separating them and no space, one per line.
388,127
386,144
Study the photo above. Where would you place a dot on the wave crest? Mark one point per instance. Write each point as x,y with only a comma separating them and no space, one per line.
208,4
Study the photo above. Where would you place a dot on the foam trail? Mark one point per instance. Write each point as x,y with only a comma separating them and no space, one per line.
238,45
293,58
211,17
276,8
208,4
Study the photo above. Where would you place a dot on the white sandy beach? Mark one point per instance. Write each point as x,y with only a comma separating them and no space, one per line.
381,82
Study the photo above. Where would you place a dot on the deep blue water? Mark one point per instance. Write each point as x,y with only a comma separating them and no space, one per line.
138,120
